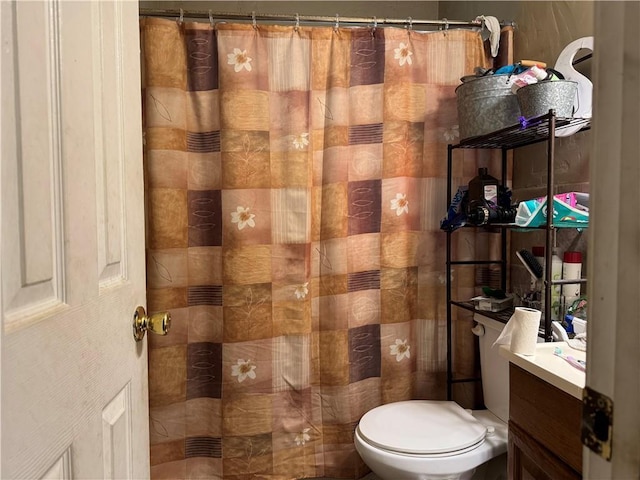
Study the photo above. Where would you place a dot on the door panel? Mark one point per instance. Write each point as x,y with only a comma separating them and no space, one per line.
61,469
613,356
31,181
108,76
116,436
74,381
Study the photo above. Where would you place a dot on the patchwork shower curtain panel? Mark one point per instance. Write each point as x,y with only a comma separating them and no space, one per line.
295,182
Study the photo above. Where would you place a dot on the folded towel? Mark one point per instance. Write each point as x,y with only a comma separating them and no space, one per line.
490,30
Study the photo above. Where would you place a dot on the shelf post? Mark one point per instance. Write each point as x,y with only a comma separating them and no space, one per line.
503,231
550,232
448,280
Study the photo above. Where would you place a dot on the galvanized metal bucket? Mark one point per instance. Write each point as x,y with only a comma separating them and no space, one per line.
486,104
537,99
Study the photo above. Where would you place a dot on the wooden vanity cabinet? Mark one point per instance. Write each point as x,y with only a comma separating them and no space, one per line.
544,429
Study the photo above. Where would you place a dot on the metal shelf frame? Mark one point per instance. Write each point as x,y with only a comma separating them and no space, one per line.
527,132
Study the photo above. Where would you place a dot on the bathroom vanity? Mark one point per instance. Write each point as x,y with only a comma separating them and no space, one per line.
545,411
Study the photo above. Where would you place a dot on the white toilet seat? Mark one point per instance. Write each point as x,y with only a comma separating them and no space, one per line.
391,465
422,428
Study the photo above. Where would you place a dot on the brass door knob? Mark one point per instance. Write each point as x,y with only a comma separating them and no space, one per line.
157,323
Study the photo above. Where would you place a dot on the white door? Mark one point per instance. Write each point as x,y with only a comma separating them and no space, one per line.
613,354
74,381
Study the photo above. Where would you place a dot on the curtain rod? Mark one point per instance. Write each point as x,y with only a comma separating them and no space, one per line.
179,14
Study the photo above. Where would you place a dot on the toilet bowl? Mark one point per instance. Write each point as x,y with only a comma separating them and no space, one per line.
424,439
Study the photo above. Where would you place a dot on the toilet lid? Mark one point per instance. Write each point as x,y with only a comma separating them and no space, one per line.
421,427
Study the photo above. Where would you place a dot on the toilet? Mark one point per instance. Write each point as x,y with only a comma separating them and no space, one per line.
424,439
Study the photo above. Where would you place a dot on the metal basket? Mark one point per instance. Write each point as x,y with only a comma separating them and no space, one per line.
486,104
537,99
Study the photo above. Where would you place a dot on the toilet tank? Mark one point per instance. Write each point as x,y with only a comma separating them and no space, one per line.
495,369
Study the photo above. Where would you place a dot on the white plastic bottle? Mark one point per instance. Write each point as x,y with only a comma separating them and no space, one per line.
528,77
571,270
556,274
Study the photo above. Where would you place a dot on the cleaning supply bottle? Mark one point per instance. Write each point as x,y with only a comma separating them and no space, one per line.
483,198
571,270
556,274
483,188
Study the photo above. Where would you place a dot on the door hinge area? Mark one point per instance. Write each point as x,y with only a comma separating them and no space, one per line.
597,422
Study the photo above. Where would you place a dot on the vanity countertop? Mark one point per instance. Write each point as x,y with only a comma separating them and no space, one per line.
551,368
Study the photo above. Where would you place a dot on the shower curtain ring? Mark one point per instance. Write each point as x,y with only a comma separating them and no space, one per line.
253,19
297,27
410,23
181,19
211,18
337,24
375,25
446,26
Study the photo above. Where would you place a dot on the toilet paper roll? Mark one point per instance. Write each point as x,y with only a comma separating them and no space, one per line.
525,331
521,331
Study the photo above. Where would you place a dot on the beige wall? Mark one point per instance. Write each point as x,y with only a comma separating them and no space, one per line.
422,9
543,30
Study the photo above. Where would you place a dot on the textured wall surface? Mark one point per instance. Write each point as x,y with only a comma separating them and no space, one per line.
421,10
543,30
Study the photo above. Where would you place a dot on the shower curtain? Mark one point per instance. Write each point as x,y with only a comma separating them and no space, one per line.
295,179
